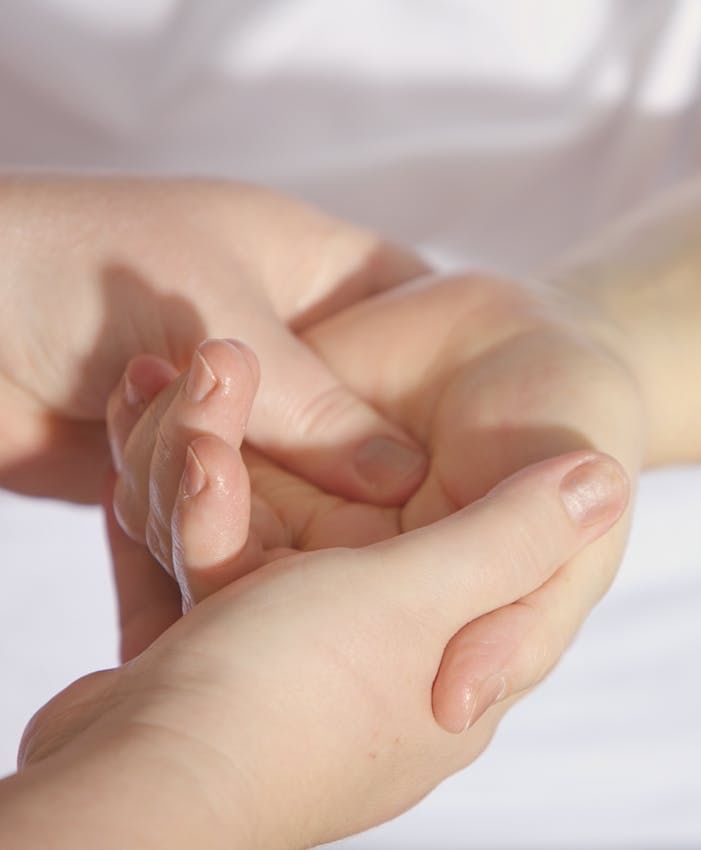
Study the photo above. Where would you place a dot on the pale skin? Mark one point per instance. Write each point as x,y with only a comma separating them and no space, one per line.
469,454
290,707
604,337
97,271
483,403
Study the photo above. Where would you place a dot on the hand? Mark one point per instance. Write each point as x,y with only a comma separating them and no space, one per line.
491,375
96,271
292,707
488,376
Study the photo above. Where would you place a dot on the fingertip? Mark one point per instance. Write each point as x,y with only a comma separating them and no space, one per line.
212,464
450,702
501,653
144,377
476,668
593,488
194,478
249,356
227,366
595,492
211,517
316,427
469,704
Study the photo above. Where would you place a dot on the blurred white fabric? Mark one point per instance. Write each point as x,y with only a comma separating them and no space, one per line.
497,133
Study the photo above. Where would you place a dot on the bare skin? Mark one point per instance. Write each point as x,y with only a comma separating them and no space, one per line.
488,377
97,271
289,708
623,322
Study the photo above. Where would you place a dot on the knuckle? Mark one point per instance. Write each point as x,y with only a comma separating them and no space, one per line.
322,412
522,554
531,543
543,646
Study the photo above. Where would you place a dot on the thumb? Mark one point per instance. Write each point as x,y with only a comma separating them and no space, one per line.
504,546
306,420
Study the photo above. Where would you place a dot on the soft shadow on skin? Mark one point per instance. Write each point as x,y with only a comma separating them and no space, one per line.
75,456
493,454
385,266
310,519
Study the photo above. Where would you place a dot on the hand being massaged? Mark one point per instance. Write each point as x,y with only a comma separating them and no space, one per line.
478,403
364,372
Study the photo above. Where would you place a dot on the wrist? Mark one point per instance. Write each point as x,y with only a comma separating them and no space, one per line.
124,783
638,293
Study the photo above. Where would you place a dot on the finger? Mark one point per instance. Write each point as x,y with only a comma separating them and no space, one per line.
215,398
131,503
309,422
144,377
210,527
508,651
148,599
504,546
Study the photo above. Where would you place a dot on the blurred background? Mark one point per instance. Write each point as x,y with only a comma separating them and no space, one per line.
485,133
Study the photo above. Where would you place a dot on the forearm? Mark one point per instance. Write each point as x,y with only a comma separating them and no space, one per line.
640,288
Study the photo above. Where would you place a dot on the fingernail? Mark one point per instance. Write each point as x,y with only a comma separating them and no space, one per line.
594,491
201,380
383,462
487,694
194,476
132,394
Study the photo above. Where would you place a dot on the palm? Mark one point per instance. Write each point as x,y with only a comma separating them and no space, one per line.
487,375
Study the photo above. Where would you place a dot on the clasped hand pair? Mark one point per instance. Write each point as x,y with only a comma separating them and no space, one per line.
369,584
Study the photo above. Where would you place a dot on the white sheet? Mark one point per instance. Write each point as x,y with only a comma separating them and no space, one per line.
496,133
